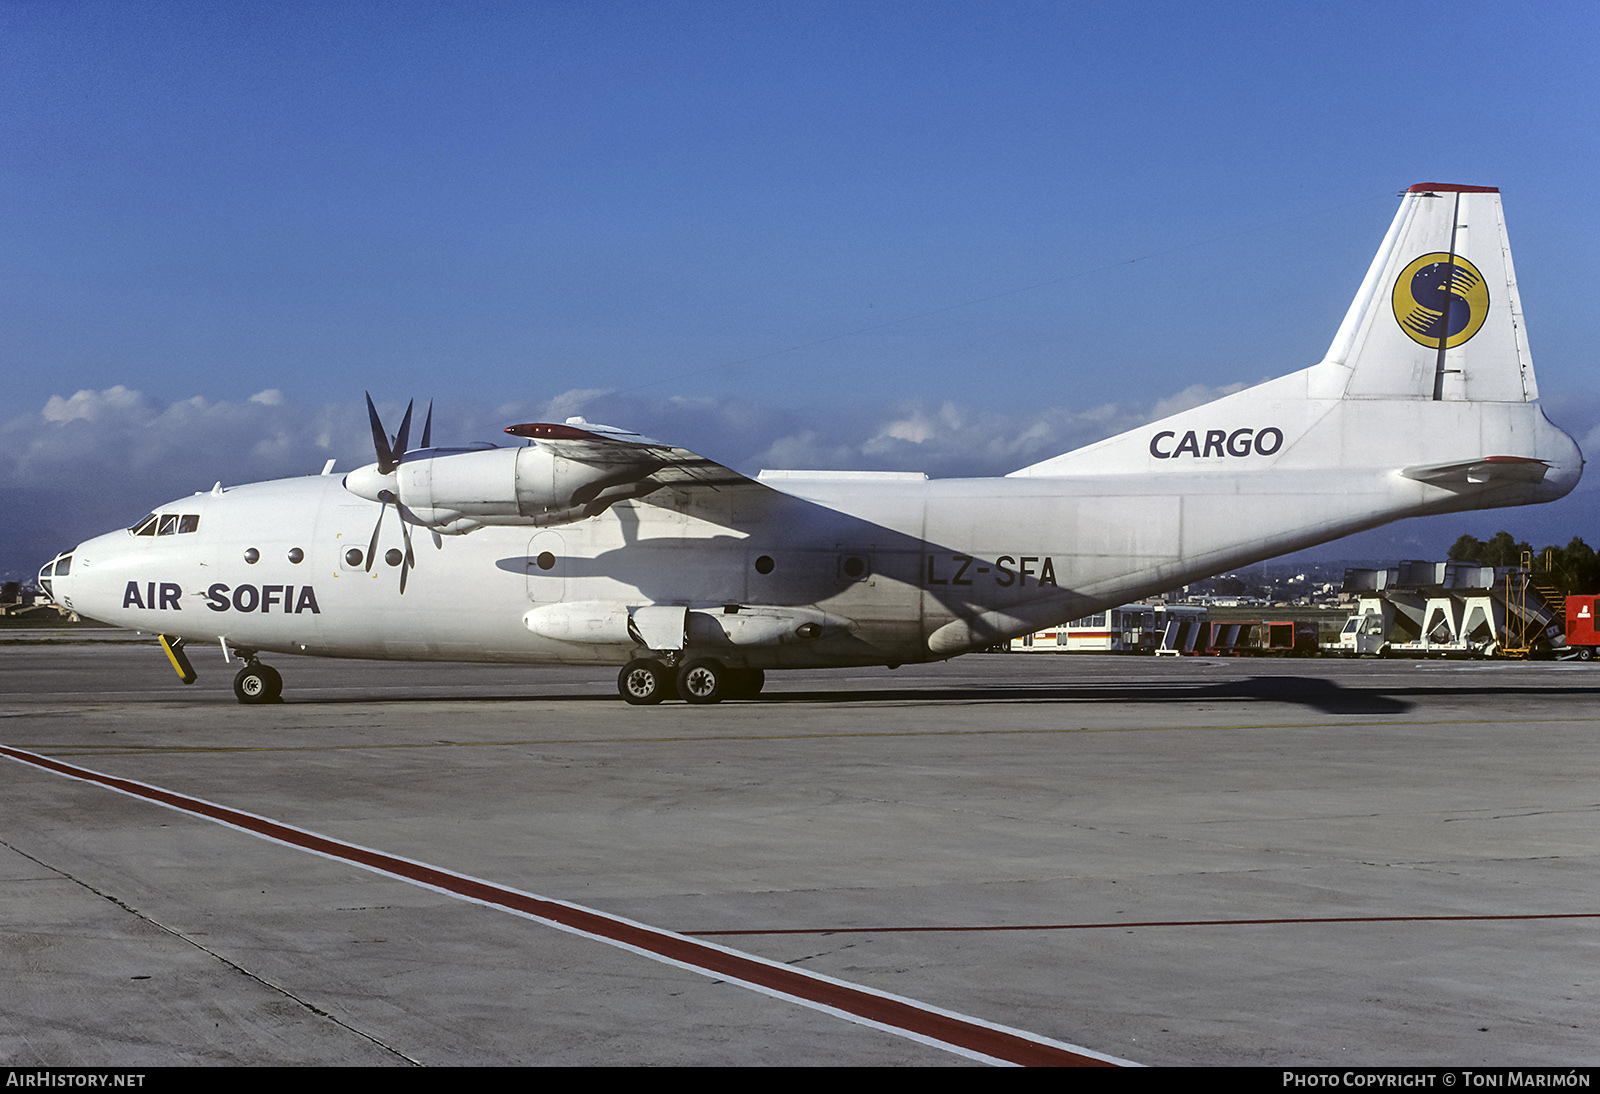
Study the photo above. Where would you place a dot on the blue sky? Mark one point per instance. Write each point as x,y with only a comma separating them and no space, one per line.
868,234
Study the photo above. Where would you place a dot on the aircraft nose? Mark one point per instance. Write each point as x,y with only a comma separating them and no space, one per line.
57,568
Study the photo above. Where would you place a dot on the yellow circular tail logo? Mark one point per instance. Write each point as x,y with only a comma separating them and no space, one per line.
1440,297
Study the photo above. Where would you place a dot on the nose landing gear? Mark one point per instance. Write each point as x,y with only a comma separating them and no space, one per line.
258,683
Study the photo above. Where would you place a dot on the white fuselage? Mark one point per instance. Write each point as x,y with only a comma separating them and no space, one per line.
942,567
599,545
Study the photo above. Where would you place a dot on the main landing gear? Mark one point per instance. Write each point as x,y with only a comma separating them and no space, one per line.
258,683
646,681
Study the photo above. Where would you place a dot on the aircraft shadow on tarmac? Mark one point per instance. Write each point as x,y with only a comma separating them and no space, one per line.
1325,696
1322,695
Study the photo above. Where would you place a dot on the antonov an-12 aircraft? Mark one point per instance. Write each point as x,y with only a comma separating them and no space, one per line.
594,545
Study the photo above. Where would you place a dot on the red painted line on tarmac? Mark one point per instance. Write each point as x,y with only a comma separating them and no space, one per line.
967,1036
1159,923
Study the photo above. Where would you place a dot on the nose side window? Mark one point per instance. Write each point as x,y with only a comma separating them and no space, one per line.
189,522
169,525
146,527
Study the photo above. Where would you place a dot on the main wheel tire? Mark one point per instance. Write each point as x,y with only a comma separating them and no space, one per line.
703,682
257,684
643,682
744,683
1585,653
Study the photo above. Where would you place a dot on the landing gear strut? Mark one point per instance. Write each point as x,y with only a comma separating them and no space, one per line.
258,683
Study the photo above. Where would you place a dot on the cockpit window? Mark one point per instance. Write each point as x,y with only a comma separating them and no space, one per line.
167,524
59,566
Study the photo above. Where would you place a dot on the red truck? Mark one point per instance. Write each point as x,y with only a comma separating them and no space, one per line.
1582,638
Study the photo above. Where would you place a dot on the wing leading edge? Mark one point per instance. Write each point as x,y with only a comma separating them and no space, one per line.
621,450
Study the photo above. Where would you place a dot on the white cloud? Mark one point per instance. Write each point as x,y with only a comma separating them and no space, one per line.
1191,397
93,405
915,429
98,459
571,403
808,451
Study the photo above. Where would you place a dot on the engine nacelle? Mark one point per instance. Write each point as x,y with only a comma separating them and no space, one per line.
457,490
668,627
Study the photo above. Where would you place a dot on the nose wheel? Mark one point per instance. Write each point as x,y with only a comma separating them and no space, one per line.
258,683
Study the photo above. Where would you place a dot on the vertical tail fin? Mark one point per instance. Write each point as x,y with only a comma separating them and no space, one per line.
1429,376
1438,316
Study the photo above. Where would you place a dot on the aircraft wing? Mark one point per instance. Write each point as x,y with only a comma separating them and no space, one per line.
621,449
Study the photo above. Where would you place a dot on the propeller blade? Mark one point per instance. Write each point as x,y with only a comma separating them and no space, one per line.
372,548
408,561
390,453
387,459
405,431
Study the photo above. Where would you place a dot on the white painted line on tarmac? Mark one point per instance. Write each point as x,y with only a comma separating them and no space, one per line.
961,1034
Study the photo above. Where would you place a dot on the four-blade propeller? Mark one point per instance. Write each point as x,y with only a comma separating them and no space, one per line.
391,451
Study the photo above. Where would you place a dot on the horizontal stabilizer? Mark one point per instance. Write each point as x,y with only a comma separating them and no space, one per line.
1487,470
